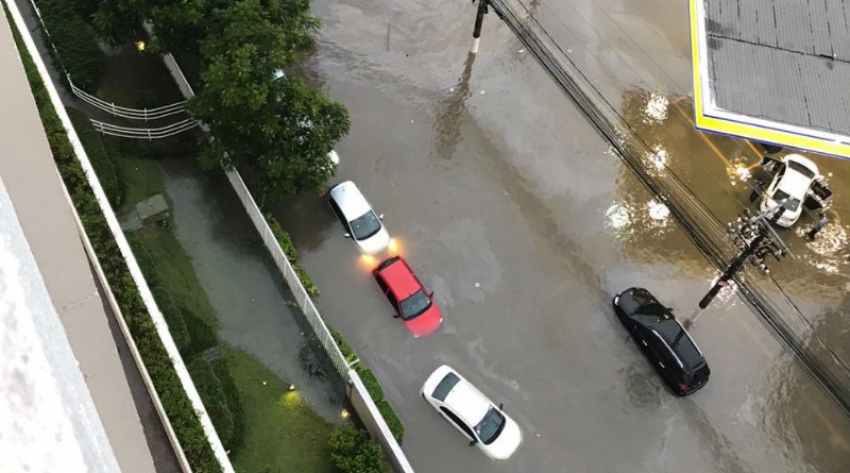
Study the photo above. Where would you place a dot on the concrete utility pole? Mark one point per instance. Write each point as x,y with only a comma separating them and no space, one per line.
479,20
755,239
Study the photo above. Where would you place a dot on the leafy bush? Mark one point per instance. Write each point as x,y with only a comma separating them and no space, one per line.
215,400
306,281
391,418
283,238
371,383
104,164
353,452
75,42
157,361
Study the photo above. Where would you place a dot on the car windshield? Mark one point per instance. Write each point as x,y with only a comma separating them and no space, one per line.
680,342
490,426
790,203
415,305
801,169
365,226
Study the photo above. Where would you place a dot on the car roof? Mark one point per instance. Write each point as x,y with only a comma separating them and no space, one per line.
685,348
793,182
468,402
350,200
400,279
803,161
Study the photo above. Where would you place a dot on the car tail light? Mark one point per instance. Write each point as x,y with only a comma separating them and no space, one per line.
684,387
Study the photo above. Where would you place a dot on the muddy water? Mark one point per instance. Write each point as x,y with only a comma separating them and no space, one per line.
254,308
507,203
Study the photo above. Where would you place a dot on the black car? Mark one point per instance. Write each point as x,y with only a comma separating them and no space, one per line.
663,340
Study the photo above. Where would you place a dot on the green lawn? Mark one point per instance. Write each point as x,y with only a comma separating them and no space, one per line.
173,269
282,434
143,179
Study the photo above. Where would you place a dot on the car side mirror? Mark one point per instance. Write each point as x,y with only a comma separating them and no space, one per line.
381,217
395,316
472,443
346,235
431,294
501,406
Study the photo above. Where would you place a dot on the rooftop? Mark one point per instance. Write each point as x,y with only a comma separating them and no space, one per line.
775,71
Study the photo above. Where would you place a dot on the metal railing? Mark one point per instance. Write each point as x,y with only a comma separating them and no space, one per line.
126,112
144,133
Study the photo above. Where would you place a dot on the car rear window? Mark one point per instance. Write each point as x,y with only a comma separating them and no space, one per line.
446,385
415,305
680,342
801,169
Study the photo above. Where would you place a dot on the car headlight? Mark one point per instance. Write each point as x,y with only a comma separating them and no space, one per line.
617,299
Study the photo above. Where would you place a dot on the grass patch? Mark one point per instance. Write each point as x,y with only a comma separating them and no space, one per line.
172,270
282,433
142,179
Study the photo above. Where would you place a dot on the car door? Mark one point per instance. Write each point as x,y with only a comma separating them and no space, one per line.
393,301
338,212
458,423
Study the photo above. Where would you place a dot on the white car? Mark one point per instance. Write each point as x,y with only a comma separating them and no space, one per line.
790,185
357,217
475,416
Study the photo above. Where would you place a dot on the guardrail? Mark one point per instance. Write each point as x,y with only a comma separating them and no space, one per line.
144,133
126,112
360,399
126,253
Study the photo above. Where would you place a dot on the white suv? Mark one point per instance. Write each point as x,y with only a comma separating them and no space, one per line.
475,416
357,217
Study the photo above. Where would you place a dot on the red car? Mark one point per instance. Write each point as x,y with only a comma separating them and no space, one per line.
413,303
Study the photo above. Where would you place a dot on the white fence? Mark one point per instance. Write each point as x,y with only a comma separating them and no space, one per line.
144,133
126,252
126,112
307,307
362,402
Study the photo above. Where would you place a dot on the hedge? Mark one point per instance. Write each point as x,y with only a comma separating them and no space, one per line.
354,452
373,386
74,40
179,409
285,242
212,393
104,164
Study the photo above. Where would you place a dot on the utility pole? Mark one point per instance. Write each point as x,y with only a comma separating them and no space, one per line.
756,239
479,20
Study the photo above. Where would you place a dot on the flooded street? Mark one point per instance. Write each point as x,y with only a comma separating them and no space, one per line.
510,206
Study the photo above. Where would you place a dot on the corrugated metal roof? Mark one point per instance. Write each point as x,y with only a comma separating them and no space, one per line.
766,60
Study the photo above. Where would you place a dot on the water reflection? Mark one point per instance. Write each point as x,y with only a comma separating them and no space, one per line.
447,124
719,172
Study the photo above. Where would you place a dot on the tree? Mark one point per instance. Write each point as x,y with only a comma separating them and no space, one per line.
281,128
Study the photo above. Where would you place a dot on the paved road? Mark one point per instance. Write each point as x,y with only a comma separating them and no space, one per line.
510,206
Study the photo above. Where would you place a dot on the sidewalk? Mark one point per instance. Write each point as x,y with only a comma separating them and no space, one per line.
630,68
42,206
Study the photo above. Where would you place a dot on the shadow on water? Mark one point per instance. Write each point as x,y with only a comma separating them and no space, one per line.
447,124
256,311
